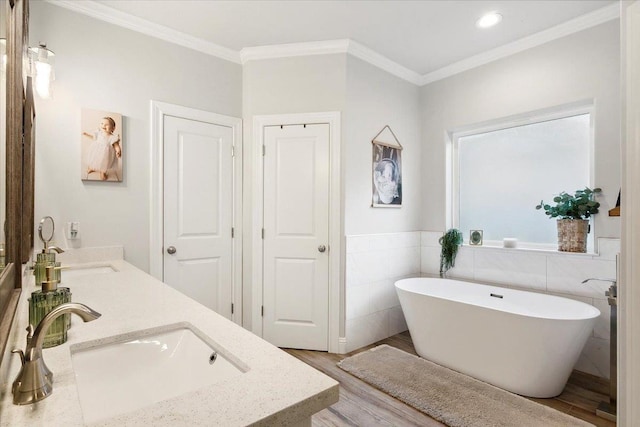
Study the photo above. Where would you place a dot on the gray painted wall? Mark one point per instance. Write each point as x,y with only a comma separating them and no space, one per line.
376,98
582,66
104,67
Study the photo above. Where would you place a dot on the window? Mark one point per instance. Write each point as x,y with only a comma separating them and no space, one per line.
500,175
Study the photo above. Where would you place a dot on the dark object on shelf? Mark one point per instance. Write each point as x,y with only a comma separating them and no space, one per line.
616,211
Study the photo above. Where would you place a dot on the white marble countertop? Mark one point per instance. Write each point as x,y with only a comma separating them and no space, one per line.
277,390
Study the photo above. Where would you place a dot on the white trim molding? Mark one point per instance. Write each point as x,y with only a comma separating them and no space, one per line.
156,203
342,346
629,287
335,216
384,63
327,47
113,16
290,50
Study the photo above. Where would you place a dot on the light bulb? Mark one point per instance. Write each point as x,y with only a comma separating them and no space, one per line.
489,20
41,69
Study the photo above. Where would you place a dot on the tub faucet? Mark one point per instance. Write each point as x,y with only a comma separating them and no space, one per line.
612,293
603,280
34,382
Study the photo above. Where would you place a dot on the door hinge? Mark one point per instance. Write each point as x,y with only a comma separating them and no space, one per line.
263,234
262,311
264,150
231,308
232,232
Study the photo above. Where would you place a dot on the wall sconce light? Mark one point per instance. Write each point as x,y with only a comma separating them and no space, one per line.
41,67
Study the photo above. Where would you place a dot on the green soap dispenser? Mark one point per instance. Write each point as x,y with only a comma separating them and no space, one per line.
45,300
47,257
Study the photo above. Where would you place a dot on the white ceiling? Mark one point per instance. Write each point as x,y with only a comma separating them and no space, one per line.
423,36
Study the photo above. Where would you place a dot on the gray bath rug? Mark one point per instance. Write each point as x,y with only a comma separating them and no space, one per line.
448,396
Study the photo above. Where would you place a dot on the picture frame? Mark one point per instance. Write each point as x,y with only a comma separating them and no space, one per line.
101,146
386,170
475,237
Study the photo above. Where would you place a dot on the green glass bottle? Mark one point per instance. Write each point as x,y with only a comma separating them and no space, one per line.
44,260
45,300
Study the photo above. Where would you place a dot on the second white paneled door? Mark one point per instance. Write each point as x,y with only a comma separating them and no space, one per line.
198,211
296,233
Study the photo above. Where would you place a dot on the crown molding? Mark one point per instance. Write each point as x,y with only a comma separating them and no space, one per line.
575,25
286,50
386,64
351,47
122,19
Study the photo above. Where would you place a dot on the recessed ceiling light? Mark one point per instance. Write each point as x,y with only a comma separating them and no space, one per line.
489,20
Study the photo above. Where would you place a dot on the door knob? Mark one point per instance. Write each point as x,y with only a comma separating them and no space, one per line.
322,248
171,250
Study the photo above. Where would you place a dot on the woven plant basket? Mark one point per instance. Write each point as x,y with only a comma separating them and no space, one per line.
572,235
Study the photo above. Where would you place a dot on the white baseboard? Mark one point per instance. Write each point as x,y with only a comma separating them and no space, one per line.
342,345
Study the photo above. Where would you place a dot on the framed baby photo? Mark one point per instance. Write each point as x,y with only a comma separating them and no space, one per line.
101,146
387,170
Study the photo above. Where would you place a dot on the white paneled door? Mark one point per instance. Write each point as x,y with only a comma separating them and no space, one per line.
198,211
296,224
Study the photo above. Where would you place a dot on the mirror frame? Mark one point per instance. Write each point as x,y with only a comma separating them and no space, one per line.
17,15
28,173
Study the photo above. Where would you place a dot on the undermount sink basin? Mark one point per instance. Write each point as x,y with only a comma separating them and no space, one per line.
84,271
127,372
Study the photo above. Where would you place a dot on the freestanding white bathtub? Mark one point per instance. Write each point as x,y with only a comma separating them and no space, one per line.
520,341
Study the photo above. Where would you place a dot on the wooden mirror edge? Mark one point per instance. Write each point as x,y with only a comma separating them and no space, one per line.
9,298
28,173
11,278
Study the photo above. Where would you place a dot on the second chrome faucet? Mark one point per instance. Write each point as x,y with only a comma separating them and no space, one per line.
34,382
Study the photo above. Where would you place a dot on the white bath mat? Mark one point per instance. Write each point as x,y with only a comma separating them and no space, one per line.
448,396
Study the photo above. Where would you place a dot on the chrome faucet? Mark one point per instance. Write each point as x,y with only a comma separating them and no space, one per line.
602,280
34,382
54,248
612,293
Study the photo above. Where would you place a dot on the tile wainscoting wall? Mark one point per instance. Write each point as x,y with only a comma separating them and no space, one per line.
375,261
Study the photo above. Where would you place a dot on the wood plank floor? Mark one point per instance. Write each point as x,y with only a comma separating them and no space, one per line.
363,405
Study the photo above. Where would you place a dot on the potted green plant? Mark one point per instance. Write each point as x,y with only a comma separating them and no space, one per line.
572,213
449,243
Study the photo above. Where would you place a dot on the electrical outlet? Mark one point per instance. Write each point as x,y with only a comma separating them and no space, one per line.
73,230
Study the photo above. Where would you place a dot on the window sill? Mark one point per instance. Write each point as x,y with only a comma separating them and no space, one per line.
525,249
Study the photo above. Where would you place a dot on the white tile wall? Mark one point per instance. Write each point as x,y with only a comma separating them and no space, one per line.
608,248
374,263
595,357
397,323
510,268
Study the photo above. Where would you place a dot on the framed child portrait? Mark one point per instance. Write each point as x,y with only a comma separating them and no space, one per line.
387,170
101,146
